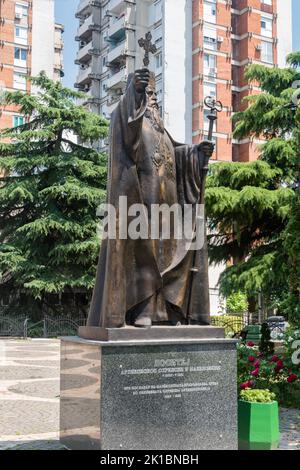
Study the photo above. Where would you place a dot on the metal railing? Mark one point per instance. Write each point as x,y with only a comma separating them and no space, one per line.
48,327
11,326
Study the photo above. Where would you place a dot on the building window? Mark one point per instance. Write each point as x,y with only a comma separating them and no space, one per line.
21,10
210,61
18,121
267,2
157,11
20,57
159,91
210,12
158,60
210,38
267,52
210,89
19,81
21,35
206,120
158,37
266,27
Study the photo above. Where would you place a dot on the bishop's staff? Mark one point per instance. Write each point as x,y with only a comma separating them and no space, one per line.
200,257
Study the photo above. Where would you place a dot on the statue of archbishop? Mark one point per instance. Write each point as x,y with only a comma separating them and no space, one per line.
144,282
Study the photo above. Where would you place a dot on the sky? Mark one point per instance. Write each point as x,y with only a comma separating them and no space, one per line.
65,14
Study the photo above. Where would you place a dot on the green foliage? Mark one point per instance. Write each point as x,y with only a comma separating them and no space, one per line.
237,303
253,208
51,186
257,396
266,346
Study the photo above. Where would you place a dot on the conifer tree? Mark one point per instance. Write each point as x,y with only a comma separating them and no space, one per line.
253,207
50,188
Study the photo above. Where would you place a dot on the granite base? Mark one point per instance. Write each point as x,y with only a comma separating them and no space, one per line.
148,395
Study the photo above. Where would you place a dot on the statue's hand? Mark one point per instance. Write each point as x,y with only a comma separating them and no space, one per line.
141,80
206,147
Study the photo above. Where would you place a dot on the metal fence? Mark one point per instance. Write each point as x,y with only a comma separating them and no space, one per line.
51,327
48,327
12,326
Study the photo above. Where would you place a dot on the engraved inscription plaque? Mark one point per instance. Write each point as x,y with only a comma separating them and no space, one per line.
169,397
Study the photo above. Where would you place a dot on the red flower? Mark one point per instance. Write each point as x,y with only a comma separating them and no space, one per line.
251,358
257,364
280,365
250,344
255,373
292,378
275,359
247,384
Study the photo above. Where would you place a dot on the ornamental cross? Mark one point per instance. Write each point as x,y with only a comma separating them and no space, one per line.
148,47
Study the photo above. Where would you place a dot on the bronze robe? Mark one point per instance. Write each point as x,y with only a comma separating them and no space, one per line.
148,167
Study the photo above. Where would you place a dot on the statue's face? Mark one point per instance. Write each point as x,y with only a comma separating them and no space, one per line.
152,97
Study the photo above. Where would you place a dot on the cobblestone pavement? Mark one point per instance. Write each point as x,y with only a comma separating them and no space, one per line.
29,398
29,394
290,429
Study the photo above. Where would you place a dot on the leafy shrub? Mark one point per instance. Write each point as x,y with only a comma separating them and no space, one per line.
257,396
236,303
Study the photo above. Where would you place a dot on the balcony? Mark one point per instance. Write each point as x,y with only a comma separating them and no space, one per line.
84,100
83,77
83,9
117,6
84,31
117,52
59,44
111,105
117,29
118,80
84,55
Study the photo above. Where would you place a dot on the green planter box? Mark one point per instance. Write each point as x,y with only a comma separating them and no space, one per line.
258,425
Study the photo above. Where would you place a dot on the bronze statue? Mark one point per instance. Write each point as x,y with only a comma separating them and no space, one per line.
148,282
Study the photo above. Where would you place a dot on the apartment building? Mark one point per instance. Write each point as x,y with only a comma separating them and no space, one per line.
58,52
203,47
29,43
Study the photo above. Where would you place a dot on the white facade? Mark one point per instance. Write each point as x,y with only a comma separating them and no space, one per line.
284,30
177,55
43,37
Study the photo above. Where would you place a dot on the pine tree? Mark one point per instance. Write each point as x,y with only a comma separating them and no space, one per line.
254,207
50,189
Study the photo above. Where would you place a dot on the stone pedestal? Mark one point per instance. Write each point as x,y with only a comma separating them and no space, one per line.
143,394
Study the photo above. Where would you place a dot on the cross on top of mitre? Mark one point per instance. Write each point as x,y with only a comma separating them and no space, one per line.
146,44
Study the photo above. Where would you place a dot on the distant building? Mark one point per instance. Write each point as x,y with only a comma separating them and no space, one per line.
203,47
29,43
58,52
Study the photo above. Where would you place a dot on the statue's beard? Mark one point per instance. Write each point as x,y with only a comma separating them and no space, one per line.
152,112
